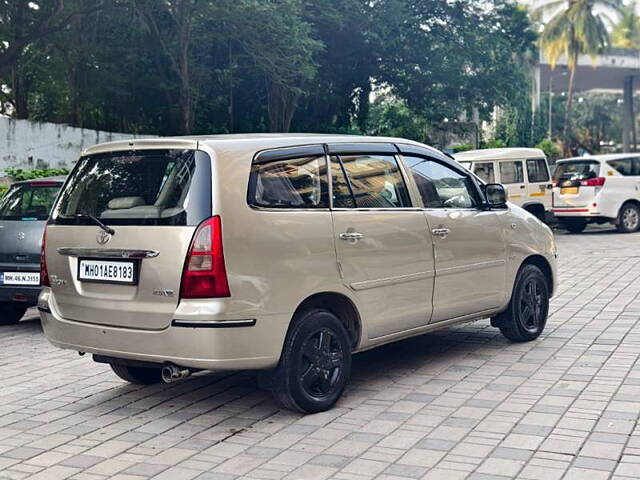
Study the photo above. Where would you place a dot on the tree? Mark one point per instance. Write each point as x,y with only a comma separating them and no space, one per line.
170,24
573,31
626,34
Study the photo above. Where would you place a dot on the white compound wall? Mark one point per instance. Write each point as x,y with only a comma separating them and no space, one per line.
29,145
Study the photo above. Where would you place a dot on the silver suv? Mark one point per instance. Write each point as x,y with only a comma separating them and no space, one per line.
281,253
23,213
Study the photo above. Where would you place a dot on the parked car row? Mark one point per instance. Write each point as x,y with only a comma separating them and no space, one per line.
598,189
288,253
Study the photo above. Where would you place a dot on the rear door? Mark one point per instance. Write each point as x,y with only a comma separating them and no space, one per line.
153,200
383,247
512,177
539,181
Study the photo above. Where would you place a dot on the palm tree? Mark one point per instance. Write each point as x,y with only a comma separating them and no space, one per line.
626,34
576,29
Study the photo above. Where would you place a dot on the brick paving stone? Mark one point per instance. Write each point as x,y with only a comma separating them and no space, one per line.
457,404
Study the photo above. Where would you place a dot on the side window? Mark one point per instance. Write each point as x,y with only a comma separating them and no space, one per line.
623,166
375,181
441,186
511,172
636,165
342,196
485,172
537,170
292,183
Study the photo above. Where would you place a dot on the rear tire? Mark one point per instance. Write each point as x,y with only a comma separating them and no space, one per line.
628,218
137,375
526,316
315,364
574,225
11,313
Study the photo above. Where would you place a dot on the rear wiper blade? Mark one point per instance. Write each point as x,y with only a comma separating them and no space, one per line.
104,227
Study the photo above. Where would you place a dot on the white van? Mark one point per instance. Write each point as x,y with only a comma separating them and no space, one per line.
598,189
523,171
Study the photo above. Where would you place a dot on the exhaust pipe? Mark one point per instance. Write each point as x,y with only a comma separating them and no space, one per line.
172,373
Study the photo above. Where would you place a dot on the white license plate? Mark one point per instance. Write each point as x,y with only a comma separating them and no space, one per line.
20,278
106,271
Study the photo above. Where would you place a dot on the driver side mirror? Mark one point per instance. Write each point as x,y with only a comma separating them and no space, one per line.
496,195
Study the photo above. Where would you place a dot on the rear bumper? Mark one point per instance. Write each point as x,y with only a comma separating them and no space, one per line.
577,212
24,295
254,344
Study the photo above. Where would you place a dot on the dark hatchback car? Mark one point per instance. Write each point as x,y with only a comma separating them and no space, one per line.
24,211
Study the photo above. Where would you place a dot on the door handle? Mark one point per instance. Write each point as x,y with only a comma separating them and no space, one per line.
523,186
350,236
440,232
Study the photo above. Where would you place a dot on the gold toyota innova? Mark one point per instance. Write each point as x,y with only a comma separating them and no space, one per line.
281,253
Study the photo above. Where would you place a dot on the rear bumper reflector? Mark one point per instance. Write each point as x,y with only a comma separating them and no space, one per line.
214,324
570,210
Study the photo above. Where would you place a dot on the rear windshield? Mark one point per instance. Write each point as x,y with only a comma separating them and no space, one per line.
578,170
151,187
28,202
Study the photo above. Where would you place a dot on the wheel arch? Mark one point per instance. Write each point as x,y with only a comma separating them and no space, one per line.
544,265
338,304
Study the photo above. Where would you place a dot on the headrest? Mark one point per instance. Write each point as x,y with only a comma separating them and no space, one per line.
125,202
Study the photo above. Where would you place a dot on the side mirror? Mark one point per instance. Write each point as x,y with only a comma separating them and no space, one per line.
496,195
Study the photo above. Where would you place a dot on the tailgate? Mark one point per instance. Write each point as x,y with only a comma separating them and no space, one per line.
156,254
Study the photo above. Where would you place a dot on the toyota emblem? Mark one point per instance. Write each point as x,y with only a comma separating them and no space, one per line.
103,237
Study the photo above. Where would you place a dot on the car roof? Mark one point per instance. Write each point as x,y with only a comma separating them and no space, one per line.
601,158
498,154
58,179
252,141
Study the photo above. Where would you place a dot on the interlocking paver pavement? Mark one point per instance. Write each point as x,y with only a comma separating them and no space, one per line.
463,403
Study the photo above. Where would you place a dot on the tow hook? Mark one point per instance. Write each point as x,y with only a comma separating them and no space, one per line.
172,373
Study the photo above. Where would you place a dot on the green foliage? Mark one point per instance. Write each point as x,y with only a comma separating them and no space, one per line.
495,143
626,33
463,147
392,118
18,174
550,149
255,65
3,190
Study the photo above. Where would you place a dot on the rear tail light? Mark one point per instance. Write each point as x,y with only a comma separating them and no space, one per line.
593,182
44,275
204,274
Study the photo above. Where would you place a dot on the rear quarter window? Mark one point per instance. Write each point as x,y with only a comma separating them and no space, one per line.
147,187
290,183
537,170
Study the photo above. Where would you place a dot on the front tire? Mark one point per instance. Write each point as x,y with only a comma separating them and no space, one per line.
11,313
628,218
574,225
526,316
316,363
137,375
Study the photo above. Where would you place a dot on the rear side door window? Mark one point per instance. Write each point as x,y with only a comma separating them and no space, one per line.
441,186
291,183
375,181
511,172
